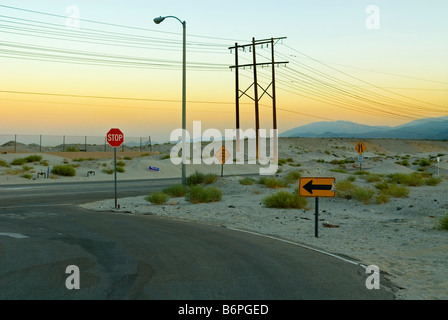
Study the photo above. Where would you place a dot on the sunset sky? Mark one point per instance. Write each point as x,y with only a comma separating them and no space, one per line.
115,68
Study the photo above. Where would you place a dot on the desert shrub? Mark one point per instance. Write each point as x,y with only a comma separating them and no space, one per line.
33,158
443,222
262,180
292,176
285,200
282,161
298,164
247,181
344,188
166,156
83,159
344,161
275,183
26,168
363,194
195,179
362,172
200,194
373,177
176,190
64,170
413,179
121,164
424,163
120,169
210,178
403,163
108,171
433,181
18,162
73,149
200,178
29,159
27,176
3,163
44,163
395,191
157,198
127,158
382,185
382,198
351,178
339,170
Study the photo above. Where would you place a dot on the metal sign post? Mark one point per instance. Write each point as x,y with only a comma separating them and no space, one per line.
316,218
115,176
316,187
222,155
115,138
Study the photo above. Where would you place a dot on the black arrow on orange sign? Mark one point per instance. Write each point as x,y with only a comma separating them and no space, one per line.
310,186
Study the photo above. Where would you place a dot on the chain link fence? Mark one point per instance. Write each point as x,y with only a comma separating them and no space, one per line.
54,143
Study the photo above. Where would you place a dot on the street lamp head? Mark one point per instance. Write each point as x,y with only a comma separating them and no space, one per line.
158,20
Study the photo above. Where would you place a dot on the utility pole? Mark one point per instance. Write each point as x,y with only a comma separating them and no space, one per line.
239,93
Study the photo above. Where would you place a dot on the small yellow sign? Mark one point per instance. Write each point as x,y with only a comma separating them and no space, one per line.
360,148
222,155
317,187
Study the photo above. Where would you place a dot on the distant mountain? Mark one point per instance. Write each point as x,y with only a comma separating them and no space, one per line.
429,128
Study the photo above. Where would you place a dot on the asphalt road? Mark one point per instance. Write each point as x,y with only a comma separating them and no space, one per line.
43,230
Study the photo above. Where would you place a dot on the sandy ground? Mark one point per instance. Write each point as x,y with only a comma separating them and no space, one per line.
400,236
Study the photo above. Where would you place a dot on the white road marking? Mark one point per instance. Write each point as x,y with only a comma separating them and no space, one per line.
14,235
39,205
303,246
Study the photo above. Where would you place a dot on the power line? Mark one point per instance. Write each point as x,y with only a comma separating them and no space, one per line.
110,97
114,24
363,81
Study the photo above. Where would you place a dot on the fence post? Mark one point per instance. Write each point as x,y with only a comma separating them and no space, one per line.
63,143
15,142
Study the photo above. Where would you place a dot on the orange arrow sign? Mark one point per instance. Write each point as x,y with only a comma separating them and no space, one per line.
316,187
360,148
222,155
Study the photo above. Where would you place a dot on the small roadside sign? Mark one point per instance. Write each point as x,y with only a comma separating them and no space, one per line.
115,138
360,148
360,158
317,187
222,155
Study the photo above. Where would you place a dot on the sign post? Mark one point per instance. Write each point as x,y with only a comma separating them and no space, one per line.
317,187
222,155
360,148
115,139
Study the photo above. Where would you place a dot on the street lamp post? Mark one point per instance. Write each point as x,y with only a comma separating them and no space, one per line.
184,90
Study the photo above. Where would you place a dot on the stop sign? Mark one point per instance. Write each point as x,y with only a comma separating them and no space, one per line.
115,137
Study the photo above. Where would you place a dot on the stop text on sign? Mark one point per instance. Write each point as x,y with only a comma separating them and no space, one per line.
115,137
